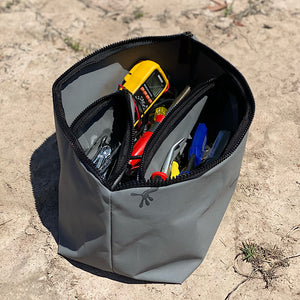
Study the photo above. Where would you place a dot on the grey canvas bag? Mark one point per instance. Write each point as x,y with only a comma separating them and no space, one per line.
146,229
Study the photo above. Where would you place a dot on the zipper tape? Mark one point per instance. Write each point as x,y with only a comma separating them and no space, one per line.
89,113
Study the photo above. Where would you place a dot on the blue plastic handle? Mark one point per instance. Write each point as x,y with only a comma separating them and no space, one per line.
198,144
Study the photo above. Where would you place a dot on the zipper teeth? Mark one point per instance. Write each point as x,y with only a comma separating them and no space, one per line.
202,170
78,122
124,162
84,159
118,44
81,118
58,108
192,174
57,96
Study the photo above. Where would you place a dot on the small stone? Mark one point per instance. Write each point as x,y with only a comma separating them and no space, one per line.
223,23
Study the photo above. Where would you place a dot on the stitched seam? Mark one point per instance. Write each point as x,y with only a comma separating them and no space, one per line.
111,240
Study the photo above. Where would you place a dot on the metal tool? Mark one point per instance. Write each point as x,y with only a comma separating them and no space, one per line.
166,168
183,93
102,155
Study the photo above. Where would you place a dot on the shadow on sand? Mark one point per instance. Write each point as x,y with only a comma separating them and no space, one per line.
44,176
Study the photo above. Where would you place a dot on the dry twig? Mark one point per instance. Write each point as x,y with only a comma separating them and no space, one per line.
242,282
293,229
5,222
264,262
220,5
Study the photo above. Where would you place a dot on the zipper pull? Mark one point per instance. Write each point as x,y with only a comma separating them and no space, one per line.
188,34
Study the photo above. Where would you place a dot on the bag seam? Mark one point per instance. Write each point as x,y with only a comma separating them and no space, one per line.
111,239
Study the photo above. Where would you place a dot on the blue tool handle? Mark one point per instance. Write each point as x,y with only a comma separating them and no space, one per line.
198,144
219,145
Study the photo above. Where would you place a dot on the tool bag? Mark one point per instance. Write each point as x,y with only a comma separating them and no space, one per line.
153,230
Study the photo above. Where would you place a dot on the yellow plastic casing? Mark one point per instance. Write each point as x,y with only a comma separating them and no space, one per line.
174,169
139,74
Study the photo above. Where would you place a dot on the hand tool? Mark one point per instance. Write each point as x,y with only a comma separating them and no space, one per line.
197,148
104,152
105,156
166,168
140,145
218,146
183,93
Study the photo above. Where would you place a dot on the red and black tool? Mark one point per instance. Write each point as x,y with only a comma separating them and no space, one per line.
140,145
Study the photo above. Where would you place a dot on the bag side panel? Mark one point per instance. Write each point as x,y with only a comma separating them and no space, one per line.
163,234
84,211
88,87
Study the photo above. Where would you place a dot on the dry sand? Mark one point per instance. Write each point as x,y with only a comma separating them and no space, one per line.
263,43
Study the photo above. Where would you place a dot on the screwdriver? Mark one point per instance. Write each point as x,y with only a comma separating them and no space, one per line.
140,145
197,148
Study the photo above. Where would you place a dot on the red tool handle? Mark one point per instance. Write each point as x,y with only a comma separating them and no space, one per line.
160,175
140,145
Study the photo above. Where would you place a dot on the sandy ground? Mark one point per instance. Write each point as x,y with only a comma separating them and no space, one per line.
261,38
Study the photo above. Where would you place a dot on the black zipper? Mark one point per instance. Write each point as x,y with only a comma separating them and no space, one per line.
59,110
196,173
90,112
86,62
126,150
131,42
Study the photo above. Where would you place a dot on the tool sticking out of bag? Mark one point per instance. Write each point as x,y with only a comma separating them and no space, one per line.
140,145
146,81
195,153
